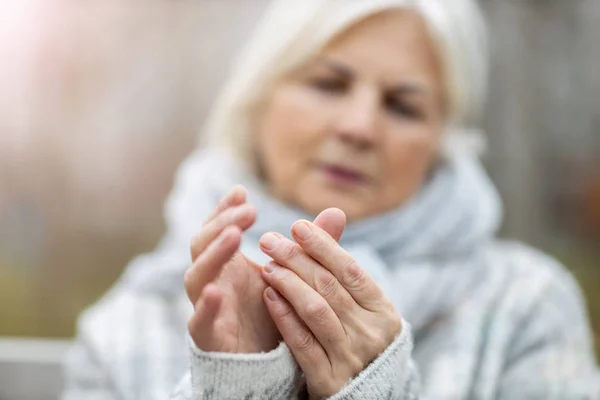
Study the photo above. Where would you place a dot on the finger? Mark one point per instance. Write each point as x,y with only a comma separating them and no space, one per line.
235,197
210,262
312,309
332,221
291,256
202,321
327,252
307,351
242,216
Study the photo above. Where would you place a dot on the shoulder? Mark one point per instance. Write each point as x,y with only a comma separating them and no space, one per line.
537,288
543,311
525,265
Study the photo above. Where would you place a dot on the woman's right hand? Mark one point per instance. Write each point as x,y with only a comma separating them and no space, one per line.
226,287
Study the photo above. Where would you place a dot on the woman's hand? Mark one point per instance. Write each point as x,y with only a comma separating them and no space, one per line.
226,287
332,315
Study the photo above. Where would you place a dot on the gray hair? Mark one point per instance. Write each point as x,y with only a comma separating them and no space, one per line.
293,31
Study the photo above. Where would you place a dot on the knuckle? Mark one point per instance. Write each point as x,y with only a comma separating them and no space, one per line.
290,252
355,278
305,341
225,217
220,220
326,284
189,282
355,364
376,343
283,276
193,327
215,215
319,247
317,312
187,278
283,311
194,244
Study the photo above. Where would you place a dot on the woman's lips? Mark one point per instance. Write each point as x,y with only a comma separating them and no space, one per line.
342,175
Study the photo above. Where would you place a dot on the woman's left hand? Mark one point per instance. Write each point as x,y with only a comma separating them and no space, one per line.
330,312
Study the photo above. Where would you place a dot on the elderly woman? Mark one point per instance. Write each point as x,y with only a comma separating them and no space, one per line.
399,292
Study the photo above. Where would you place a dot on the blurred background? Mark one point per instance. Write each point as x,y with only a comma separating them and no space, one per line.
100,102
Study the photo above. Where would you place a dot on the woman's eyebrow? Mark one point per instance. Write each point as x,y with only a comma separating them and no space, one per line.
411,88
406,88
337,67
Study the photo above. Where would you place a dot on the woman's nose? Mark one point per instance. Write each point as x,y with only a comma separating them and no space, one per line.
357,123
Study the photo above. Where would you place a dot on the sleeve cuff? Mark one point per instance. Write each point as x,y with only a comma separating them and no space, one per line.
391,376
235,376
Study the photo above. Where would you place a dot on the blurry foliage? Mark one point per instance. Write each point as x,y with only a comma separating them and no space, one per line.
16,307
79,269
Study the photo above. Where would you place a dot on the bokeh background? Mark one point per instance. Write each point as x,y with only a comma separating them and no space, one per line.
100,101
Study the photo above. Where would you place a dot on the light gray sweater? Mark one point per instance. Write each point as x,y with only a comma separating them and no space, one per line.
484,319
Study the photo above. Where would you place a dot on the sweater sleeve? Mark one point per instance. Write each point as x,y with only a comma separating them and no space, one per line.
212,376
272,375
393,375
126,348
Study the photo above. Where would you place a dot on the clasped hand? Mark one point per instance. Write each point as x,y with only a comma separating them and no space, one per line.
332,315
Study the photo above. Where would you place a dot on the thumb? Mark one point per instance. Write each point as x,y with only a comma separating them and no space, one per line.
332,221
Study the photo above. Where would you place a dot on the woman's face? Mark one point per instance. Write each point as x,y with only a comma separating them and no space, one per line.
358,126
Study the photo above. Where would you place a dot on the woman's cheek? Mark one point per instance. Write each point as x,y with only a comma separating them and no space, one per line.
408,158
411,145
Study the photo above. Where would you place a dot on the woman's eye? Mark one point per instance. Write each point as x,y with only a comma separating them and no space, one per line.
403,109
330,85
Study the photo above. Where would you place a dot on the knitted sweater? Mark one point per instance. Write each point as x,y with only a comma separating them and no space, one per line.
483,319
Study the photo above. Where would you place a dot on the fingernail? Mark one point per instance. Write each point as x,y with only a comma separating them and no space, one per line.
302,230
269,241
272,294
269,268
237,192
